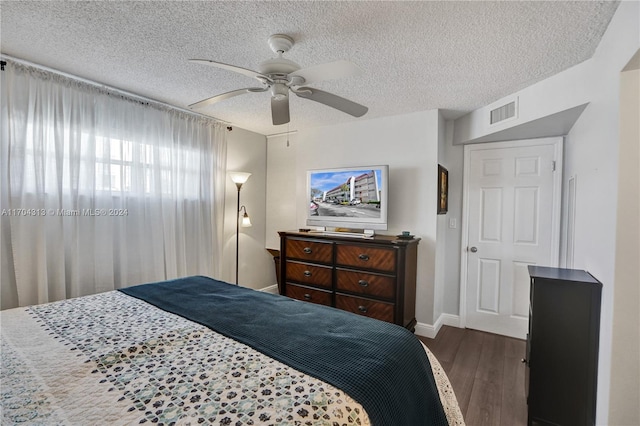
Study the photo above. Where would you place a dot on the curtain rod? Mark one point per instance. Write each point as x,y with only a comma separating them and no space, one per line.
282,134
110,88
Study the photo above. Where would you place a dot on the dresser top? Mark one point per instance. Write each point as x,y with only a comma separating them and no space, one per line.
561,274
335,236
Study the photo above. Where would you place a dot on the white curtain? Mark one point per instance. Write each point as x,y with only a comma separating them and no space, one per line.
102,191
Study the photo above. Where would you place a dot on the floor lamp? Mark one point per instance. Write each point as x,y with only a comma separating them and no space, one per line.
239,178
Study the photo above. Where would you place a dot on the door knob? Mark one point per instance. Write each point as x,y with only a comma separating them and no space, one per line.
473,249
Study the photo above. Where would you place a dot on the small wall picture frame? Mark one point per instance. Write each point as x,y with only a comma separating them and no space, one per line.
443,190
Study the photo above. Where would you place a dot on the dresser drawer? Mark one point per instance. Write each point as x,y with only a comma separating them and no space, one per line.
305,273
308,294
375,258
369,308
313,251
364,283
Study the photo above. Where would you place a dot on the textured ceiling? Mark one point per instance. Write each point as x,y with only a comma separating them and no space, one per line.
415,56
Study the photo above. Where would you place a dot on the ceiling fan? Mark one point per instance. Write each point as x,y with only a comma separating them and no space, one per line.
281,76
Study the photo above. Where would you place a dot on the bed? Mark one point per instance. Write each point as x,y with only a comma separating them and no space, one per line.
200,351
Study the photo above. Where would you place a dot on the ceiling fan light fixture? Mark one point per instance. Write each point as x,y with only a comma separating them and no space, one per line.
279,91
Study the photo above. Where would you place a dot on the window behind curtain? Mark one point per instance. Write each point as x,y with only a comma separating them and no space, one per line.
100,191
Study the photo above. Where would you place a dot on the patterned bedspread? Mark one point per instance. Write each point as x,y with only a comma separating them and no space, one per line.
113,359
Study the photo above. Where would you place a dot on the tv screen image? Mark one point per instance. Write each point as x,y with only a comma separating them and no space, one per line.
353,197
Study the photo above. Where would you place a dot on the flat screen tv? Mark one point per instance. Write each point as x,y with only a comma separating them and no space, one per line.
349,197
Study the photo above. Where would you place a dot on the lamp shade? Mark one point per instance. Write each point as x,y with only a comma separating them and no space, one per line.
246,222
239,177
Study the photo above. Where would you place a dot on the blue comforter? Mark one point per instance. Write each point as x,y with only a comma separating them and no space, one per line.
382,366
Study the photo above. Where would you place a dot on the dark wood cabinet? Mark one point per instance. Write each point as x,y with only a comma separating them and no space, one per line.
375,277
562,347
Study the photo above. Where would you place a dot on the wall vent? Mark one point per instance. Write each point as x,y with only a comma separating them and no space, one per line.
502,113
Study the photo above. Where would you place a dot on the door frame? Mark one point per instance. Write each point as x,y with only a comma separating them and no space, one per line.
558,143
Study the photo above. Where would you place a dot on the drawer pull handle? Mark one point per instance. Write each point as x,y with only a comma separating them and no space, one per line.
307,250
363,283
362,309
307,296
364,257
307,273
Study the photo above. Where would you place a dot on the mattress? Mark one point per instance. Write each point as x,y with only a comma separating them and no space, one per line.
115,358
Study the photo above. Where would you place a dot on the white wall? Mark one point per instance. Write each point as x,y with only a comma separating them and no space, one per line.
591,155
441,230
453,159
247,152
281,187
564,91
625,356
408,144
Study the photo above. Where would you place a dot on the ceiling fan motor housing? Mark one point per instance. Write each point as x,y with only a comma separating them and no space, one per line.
278,66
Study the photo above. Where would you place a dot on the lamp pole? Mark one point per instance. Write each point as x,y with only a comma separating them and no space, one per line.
239,185
238,178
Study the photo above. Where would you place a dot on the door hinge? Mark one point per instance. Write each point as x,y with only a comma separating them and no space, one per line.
553,166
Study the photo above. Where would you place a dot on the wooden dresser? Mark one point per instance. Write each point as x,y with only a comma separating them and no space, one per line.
562,347
373,277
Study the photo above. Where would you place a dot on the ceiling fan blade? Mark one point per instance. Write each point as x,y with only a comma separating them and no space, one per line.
244,71
223,96
280,110
328,71
334,101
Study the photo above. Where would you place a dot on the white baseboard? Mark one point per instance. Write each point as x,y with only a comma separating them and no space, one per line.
431,331
273,289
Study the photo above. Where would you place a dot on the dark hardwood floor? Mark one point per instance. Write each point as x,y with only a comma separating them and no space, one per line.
486,374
